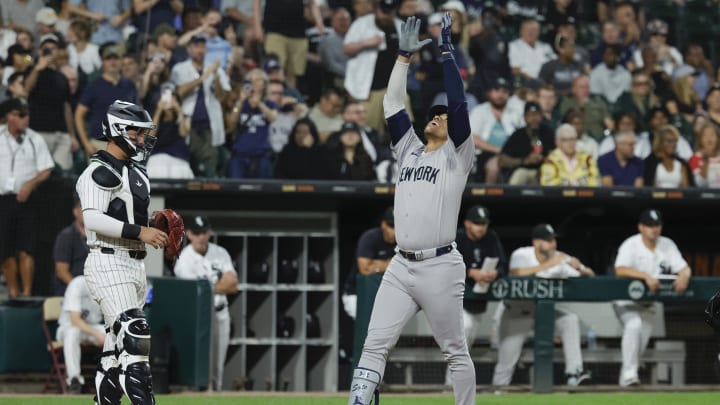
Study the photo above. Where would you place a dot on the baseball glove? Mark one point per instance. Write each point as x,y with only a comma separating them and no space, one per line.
171,223
712,312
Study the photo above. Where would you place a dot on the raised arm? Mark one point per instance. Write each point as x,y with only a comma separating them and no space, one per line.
394,100
458,121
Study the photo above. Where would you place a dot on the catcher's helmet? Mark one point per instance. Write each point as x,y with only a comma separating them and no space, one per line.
122,116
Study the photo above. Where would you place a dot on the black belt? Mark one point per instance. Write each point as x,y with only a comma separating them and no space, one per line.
416,256
134,254
220,307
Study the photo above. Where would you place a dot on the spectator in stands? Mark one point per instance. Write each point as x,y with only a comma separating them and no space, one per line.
542,260
664,168
74,84
585,142
45,20
285,32
480,247
170,158
492,123
630,31
527,148
657,118
303,157
639,100
667,56
70,251
354,111
362,7
326,114
25,162
565,165
249,123
218,49
98,95
684,102
712,100
645,256
149,14
25,38
165,37
201,86
560,72
330,47
348,159
527,54
596,116
275,71
156,72
81,321
488,52
547,98
610,79
567,29
705,162
15,87
109,16
49,99
20,13
240,14
661,80
84,55
559,13
18,60
130,69
704,72
289,111
620,167
62,25
610,37
371,46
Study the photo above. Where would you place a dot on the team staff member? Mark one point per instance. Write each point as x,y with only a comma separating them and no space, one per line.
202,259
542,259
477,242
70,251
115,193
25,162
645,256
427,272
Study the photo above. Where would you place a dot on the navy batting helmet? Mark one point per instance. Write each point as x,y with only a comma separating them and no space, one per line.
437,109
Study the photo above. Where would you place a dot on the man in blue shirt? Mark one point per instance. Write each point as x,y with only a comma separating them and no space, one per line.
620,167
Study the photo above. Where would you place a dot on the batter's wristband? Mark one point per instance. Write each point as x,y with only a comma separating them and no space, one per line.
404,53
130,231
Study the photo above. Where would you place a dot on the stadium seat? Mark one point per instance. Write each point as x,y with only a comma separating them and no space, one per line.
52,307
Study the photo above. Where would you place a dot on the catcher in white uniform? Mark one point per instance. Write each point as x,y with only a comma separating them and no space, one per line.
542,259
202,259
115,193
427,271
645,256
80,321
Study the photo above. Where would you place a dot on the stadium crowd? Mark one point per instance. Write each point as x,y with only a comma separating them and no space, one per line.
593,93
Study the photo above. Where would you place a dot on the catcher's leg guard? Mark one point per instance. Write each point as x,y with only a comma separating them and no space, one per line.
107,378
133,346
364,387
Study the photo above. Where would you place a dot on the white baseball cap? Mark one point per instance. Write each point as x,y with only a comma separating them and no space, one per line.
435,18
46,15
456,5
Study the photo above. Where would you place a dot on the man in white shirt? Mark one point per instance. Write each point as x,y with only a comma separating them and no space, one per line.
201,259
527,54
610,79
646,256
543,260
81,321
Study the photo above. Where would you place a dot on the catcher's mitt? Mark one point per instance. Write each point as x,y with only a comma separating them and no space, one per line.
712,312
171,223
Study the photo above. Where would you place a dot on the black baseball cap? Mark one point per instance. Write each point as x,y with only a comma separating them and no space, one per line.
198,223
500,83
437,109
532,106
478,214
197,38
389,216
13,104
349,126
650,217
544,232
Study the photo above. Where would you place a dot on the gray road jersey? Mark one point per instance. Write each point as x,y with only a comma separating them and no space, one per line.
429,190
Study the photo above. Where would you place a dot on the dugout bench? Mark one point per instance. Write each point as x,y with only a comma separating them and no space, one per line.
546,292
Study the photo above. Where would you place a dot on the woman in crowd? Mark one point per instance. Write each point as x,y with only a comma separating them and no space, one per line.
663,168
348,160
303,157
84,55
171,156
705,162
565,165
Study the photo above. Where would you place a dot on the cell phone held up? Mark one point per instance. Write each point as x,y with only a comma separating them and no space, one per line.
247,86
166,98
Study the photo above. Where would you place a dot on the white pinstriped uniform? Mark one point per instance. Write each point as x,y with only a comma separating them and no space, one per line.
116,281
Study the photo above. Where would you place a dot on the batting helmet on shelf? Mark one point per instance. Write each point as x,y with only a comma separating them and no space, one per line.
285,327
288,271
312,326
316,274
258,273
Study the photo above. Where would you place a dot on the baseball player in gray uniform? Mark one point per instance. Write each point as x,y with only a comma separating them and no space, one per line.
114,194
427,272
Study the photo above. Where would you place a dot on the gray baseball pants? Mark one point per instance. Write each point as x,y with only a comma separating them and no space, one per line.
435,286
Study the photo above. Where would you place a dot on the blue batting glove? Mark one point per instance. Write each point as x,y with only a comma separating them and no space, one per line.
446,30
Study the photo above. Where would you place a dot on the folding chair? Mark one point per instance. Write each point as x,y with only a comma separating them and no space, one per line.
52,307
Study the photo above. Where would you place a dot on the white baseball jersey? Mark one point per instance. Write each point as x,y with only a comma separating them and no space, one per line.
77,299
525,257
429,190
666,259
192,265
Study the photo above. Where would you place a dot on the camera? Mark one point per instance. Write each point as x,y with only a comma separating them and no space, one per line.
46,51
247,86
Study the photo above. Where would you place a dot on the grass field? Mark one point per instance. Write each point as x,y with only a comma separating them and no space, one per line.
694,398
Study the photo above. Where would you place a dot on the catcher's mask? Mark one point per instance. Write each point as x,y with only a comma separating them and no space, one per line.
123,117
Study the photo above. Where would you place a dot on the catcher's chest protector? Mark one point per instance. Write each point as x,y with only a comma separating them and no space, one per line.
130,201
